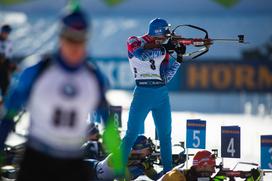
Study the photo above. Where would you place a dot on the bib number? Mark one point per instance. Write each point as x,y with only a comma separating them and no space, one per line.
152,66
63,118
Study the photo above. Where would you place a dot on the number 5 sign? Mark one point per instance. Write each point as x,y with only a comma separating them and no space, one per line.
230,141
196,134
266,152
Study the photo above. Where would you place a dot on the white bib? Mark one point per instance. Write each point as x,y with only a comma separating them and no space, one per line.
59,105
149,67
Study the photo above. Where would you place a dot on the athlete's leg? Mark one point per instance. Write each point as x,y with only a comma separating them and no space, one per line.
162,120
142,129
138,111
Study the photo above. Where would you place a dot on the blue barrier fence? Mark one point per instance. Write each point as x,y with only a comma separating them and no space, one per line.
200,76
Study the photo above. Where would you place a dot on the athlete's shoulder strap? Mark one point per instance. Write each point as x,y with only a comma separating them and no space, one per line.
45,62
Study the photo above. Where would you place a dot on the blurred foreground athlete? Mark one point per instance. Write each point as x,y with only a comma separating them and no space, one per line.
59,92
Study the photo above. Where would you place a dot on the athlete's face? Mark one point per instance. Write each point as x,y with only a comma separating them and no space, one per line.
4,35
94,137
160,39
205,171
73,52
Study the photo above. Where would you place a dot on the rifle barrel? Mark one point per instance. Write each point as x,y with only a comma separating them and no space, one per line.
229,40
224,39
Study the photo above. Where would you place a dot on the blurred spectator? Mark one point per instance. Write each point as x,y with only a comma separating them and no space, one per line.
203,168
5,56
93,148
138,162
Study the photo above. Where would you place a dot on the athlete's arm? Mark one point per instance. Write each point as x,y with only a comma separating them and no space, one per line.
171,70
143,51
15,101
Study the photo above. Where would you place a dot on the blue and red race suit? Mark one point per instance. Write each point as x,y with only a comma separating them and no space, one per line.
152,71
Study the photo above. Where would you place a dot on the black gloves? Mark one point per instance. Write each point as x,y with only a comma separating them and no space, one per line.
180,49
256,174
172,47
169,46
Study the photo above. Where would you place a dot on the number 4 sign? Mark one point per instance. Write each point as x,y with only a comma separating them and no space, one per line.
230,141
266,152
196,134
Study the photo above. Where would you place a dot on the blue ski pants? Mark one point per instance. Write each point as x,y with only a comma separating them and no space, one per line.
145,100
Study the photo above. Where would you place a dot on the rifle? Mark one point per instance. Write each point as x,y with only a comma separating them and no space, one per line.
255,174
224,173
230,174
203,43
179,159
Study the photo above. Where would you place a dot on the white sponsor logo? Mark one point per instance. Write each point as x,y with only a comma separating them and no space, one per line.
158,31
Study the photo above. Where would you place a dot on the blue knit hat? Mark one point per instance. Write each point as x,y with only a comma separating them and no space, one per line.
6,29
75,26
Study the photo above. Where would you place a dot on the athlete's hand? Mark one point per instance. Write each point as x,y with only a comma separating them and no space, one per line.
256,174
170,46
146,165
180,49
